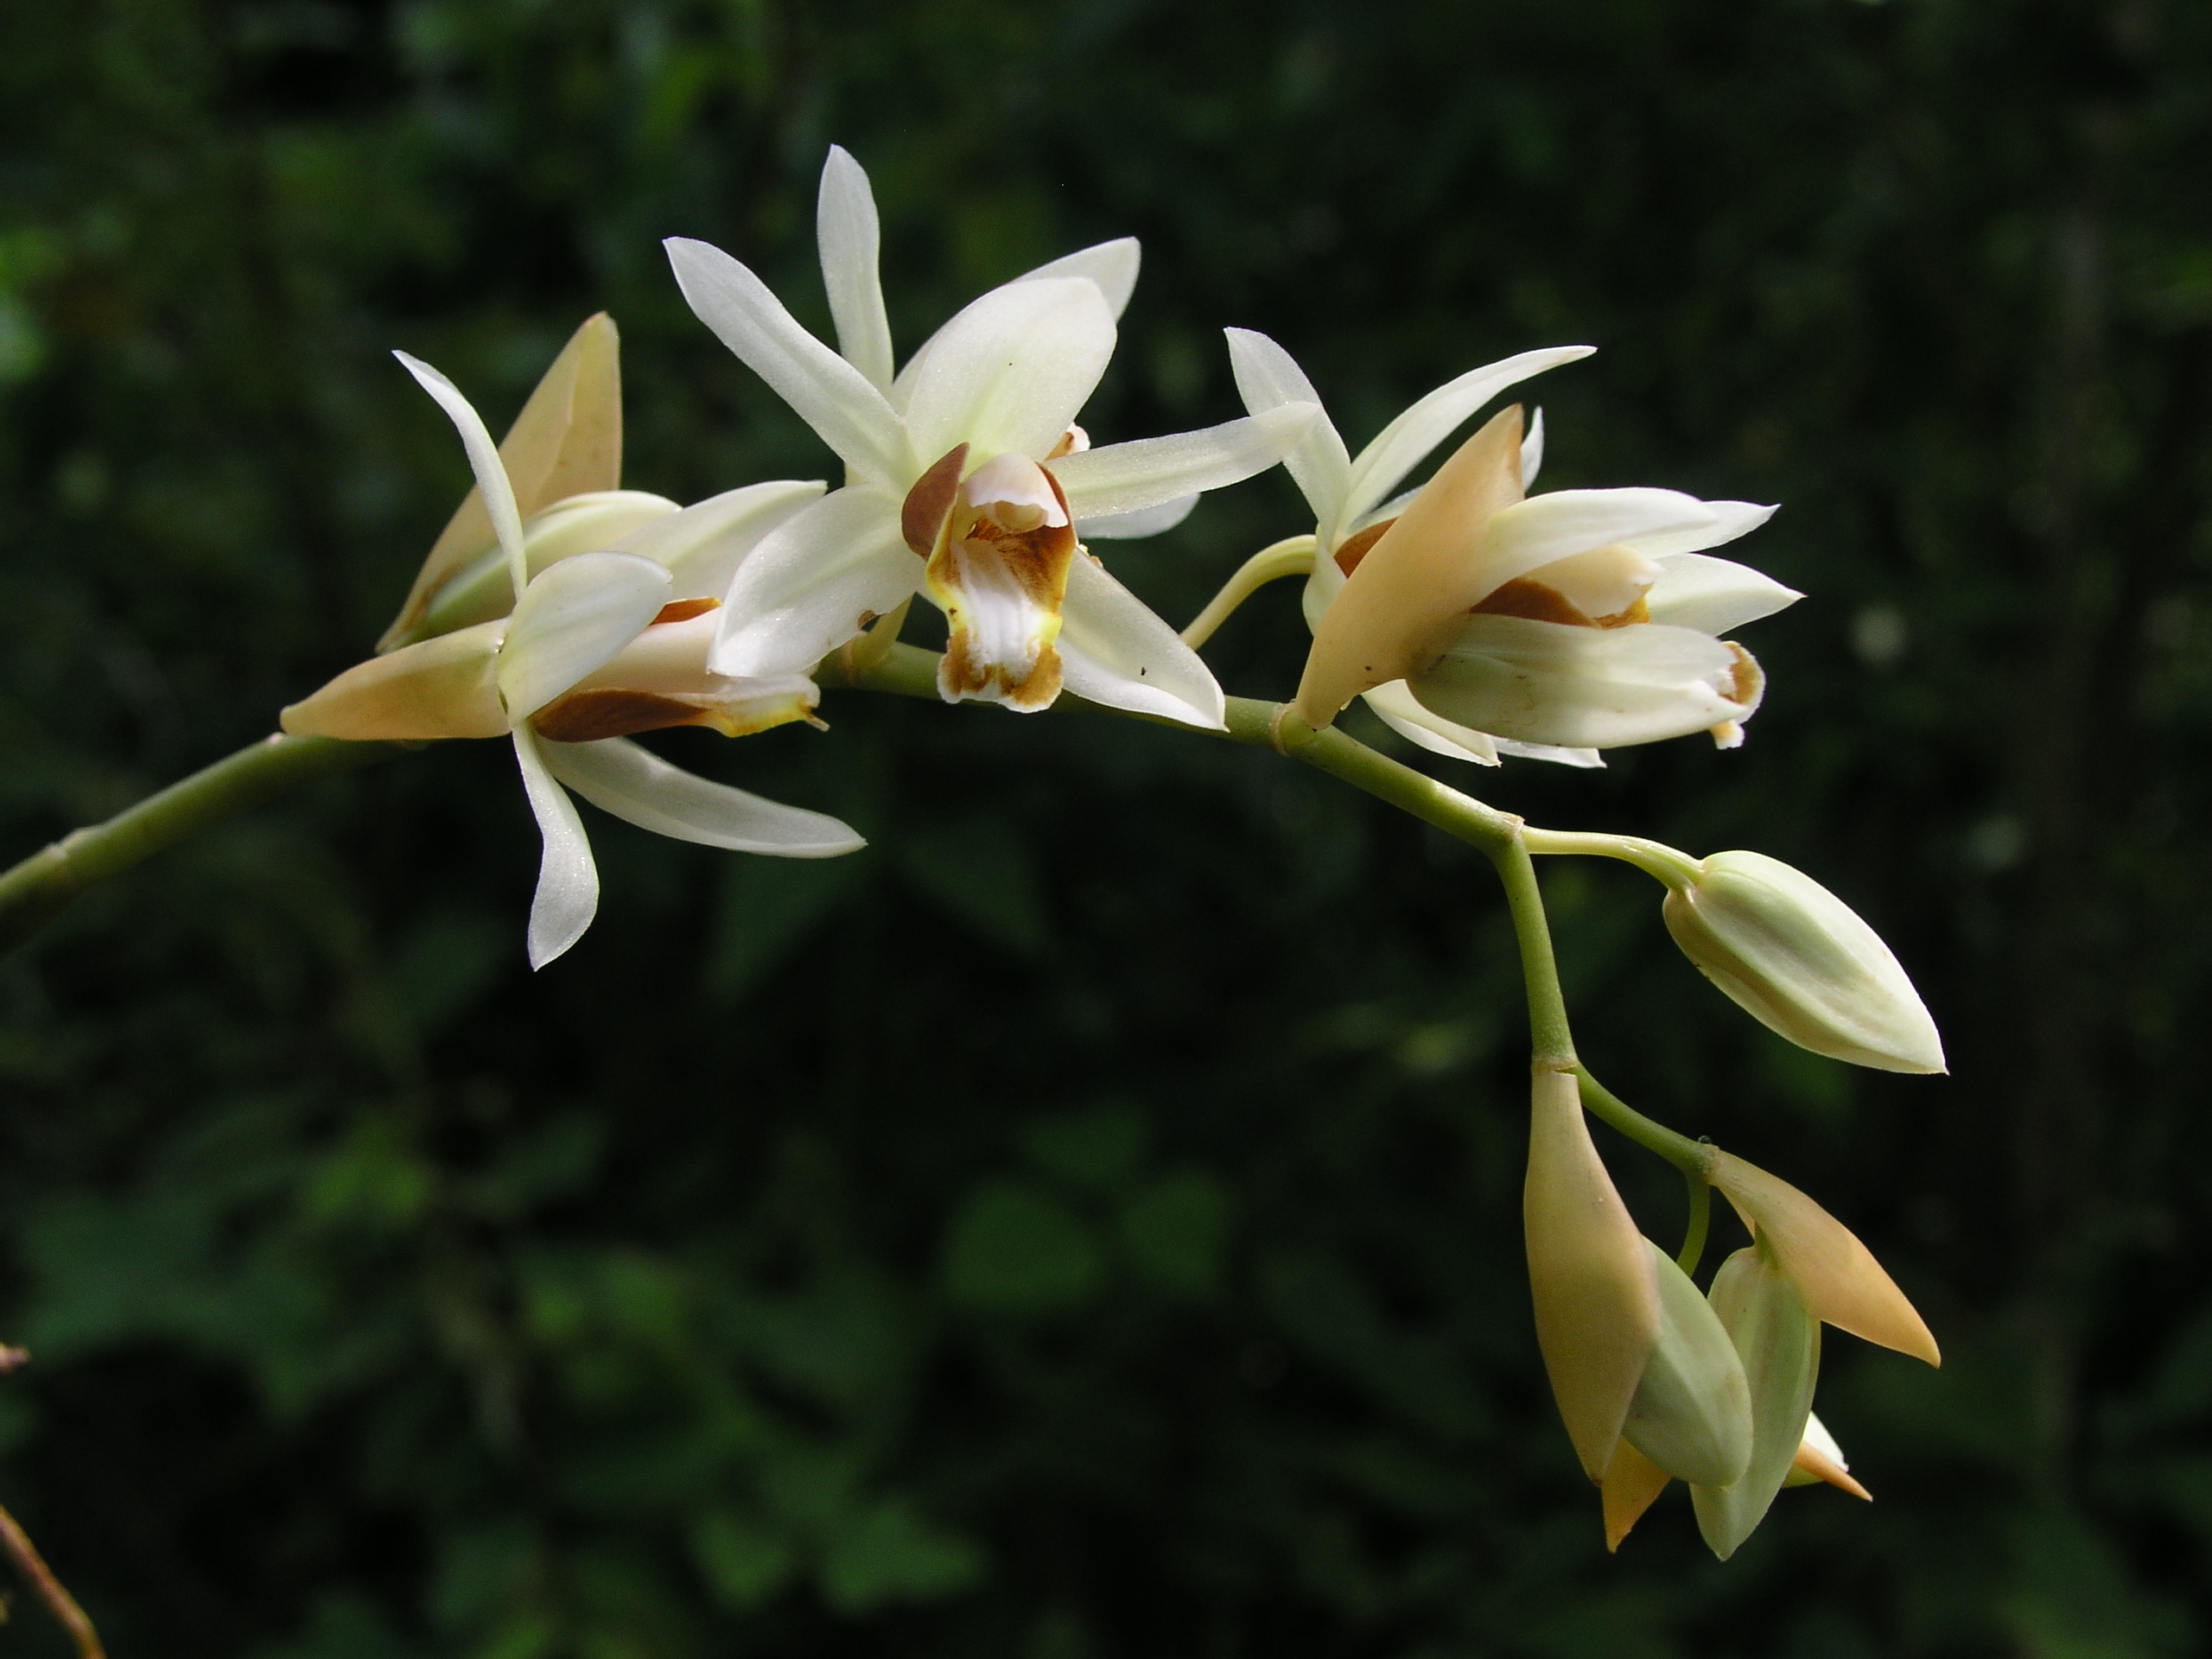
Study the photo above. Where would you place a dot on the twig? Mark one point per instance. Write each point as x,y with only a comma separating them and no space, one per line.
58,1600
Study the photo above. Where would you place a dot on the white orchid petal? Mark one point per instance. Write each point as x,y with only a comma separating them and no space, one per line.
1115,651
1401,445
804,590
576,616
1112,265
1129,477
483,460
618,776
1558,753
1267,378
1135,526
1714,595
1566,522
1532,450
1010,371
1547,682
846,230
839,402
567,880
704,544
1398,709
1730,520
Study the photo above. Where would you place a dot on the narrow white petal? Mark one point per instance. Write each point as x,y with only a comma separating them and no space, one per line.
1566,522
1532,451
1559,754
1714,595
1401,445
576,616
1135,526
1112,265
1546,683
1730,520
1398,709
1267,378
704,544
845,230
567,880
483,460
804,590
1115,651
1129,477
834,398
633,783
1010,371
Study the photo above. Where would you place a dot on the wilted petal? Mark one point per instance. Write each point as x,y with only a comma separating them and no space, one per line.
1691,1414
573,618
1135,526
633,783
1714,595
1010,371
846,231
1398,709
492,481
1402,444
446,687
1838,1276
567,880
1590,1275
1596,687
1129,477
813,583
1114,651
839,402
1268,378
702,545
1779,1342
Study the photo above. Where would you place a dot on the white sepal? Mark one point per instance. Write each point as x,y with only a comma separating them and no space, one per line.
704,544
1135,526
1114,651
1267,378
1565,522
1010,371
620,777
846,231
483,460
1129,477
801,592
839,402
567,880
1112,265
1559,754
1398,709
1730,520
1714,595
576,616
1532,450
1595,687
1401,445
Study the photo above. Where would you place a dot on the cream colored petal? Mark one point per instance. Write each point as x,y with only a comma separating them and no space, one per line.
567,441
1011,371
446,687
704,545
1532,449
1122,478
492,481
846,230
840,403
1590,1275
1779,1341
1398,709
1838,1276
1559,754
581,523
573,618
1730,520
1136,525
813,583
1112,265
1268,378
567,880
1115,651
633,783
1602,582
1563,523
1714,595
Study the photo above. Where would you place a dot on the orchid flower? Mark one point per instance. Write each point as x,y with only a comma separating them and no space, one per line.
966,478
1477,621
600,643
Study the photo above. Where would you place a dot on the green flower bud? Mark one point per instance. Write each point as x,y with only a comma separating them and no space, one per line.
1692,1412
1801,963
1779,1342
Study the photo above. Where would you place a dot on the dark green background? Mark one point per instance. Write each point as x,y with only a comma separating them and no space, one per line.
1085,1224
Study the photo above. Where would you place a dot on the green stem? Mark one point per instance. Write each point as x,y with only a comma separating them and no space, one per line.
1701,1222
1292,556
1551,1041
1657,860
43,885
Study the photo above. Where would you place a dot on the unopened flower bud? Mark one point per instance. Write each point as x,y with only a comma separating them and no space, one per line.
1692,1412
1779,1342
1802,961
1820,1459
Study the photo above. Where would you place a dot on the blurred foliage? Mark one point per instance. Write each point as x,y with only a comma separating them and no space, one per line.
1086,1223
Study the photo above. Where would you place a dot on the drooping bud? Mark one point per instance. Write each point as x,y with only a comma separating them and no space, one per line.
1838,1276
1692,1412
1779,1342
1590,1275
1801,960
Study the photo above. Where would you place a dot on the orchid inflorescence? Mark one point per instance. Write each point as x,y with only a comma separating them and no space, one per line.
1478,621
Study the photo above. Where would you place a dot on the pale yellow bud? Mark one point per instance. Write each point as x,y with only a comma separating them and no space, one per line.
1802,961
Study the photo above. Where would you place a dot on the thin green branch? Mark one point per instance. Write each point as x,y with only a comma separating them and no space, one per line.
1551,1041
1657,860
1700,1221
1292,556
51,1591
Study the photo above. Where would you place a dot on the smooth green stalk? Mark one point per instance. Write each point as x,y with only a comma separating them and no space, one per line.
1292,556
1661,862
1700,1221
42,886
1550,1041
